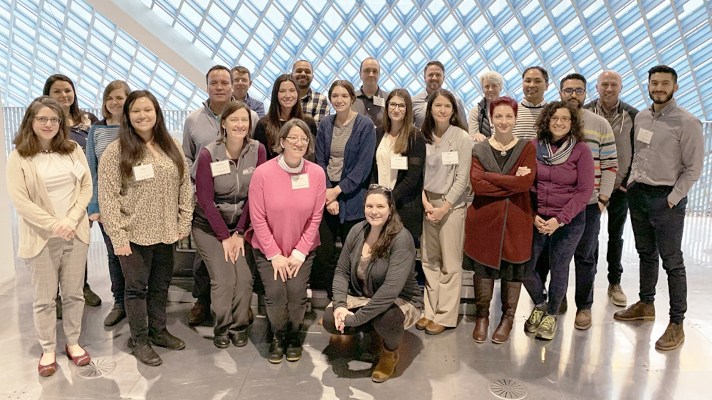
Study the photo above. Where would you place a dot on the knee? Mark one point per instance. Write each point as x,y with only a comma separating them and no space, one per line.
328,321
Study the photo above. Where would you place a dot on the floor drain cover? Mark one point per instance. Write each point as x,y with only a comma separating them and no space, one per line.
508,389
97,368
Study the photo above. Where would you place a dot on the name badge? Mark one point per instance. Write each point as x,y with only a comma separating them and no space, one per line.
220,168
645,135
379,101
300,181
450,158
399,162
78,170
142,172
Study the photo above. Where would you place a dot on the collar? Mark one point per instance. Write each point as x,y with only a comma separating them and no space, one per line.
287,168
309,93
616,108
666,110
206,104
526,103
359,93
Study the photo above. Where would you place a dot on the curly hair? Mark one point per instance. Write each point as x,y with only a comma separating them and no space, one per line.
542,123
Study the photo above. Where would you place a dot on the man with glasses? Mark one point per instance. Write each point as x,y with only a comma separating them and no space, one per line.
434,76
241,83
314,104
370,99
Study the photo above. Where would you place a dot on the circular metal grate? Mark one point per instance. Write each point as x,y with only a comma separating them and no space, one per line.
506,388
97,368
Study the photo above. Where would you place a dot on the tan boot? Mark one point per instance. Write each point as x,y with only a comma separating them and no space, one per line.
385,367
510,299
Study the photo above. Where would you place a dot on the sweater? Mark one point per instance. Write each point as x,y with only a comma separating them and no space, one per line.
527,114
100,135
602,142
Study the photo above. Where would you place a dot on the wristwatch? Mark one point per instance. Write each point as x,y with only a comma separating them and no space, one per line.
560,223
604,202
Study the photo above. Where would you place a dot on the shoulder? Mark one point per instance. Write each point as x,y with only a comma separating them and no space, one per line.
590,105
632,111
582,148
262,122
313,169
99,123
175,142
364,122
403,241
265,168
14,157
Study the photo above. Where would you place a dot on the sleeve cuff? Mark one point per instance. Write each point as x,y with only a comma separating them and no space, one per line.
674,198
299,255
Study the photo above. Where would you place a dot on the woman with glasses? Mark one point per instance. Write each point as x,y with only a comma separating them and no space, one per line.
50,187
562,188
286,200
479,122
374,286
447,164
400,159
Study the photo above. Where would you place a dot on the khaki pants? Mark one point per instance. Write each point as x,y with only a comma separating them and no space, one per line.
441,244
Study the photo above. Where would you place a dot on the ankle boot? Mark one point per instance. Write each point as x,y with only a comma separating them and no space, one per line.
483,296
510,298
385,367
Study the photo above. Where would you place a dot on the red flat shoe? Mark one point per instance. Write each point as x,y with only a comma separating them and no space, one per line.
47,370
79,361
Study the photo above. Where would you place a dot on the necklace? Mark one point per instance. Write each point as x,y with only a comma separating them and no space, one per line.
503,150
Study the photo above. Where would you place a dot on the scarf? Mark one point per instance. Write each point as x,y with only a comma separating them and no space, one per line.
483,119
546,156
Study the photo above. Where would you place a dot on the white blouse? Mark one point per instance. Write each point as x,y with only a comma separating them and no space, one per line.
56,172
386,175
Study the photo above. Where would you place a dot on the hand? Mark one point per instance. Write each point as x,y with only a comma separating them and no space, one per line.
182,236
550,226
239,245
670,205
332,194
601,206
478,137
333,208
340,317
623,189
437,213
539,223
280,264
95,217
294,265
63,230
523,171
229,250
123,250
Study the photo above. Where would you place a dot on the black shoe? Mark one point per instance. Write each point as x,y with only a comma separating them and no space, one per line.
165,339
58,304
117,313
221,341
564,306
145,353
276,350
239,338
90,298
294,347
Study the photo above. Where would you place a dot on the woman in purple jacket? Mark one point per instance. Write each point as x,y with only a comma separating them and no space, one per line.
563,186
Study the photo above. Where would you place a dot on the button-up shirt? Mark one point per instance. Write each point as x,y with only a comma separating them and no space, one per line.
255,105
365,105
315,105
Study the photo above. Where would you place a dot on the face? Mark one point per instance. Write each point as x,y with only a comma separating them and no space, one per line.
573,91
46,124
492,90
370,71
662,87
340,99
62,92
503,119
115,102
377,210
534,86
434,77
240,84
287,94
219,86
237,124
396,109
442,110
296,143
560,123
142,115
302,72
609,87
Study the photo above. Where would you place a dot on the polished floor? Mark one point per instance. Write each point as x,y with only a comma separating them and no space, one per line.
612,360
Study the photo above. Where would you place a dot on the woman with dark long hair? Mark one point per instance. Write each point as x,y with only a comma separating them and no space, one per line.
146,203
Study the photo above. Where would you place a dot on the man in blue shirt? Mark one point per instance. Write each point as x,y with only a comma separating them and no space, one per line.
241,83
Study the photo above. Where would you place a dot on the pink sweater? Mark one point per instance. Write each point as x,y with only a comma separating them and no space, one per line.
283,218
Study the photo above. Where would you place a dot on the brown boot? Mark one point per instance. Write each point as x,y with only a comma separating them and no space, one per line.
483,296
385,367
510,298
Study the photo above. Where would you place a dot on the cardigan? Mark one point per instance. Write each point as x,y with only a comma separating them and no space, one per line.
457,182
37,218
100,135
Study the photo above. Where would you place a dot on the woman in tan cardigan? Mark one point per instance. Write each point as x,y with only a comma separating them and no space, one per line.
50,186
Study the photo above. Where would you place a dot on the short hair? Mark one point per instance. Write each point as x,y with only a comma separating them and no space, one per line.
540,69
428,127
435,63
574,77
492,76
284,132
369,58
504,101
26,142
542,123
346,85
242,70
74,112
217,68
227,111
110,88
662,69
298,61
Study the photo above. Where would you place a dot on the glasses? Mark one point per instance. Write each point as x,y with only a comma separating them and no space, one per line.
44,120
393,106
294,140
572,91
556,119
377,186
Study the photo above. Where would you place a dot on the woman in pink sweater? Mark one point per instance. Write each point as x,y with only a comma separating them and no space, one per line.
286,202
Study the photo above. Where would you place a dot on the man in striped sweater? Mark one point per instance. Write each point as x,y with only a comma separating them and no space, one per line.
535,81
602,143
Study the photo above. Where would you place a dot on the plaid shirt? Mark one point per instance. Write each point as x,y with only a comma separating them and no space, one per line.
315,105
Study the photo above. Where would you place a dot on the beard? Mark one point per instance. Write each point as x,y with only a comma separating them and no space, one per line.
574,102
667,98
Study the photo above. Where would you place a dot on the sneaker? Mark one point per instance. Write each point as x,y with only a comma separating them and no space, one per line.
199,313
615,293
673,338
637,312
165,339
276,350
583,319
90,298
547,328
532,323
117,313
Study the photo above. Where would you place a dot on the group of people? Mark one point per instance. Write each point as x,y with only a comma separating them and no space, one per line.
267,195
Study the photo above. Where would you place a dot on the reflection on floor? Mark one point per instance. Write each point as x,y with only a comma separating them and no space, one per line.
612,360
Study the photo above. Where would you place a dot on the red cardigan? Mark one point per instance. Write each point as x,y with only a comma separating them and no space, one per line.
500,222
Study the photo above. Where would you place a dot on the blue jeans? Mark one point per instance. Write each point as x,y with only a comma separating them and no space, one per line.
115,274
586,257
560,247
658,234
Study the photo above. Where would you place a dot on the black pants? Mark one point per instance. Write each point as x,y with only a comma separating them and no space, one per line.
326,257
115,274
586,257
617,214
388,325
148,271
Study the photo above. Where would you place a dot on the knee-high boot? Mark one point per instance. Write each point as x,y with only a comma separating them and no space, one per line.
510,298
483,296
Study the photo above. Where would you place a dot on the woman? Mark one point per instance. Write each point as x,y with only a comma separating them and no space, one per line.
498,233
447,164
49,186
100,135
284,105
345,146
61,88
146,203
286,200
223,175
374,285
400,158
563,186
478,122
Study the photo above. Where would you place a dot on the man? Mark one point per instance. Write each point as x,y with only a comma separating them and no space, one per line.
314,104
241,83
434,76
667,161
621,117
535,82
370,99
601,141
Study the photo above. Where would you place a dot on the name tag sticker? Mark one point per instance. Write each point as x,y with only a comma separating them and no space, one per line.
220,168
379,101
142,172
78,170
450,158
300,181
645,135
399,162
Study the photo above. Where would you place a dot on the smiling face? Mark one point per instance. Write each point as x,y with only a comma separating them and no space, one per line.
609,86
396,109
287,94
62,92
219,86
115,102
377,210
302,73
491,90
573,91
662,87
442,110
240,84
434,77
560,124
503,119
340,99
370,71
142,116
236,125
296,143
534,86
46,125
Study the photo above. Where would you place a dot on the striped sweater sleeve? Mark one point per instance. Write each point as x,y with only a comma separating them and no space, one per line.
609,160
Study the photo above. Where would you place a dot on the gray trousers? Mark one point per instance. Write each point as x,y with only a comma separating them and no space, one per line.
230,283
60,263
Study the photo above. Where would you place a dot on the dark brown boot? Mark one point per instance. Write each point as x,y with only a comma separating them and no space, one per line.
483,296
385,367
510,298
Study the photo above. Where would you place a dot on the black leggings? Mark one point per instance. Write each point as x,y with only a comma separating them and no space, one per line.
388,325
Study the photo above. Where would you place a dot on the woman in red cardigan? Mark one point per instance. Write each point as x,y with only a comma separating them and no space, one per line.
498,229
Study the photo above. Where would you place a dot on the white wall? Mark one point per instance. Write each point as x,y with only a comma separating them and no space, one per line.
7,266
